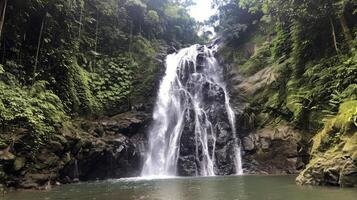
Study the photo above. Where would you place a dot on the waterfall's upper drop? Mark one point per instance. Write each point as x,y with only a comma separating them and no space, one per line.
193,130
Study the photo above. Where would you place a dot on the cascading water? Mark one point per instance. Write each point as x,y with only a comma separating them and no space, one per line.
193,132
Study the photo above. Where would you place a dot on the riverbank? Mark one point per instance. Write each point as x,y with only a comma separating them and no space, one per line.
82,150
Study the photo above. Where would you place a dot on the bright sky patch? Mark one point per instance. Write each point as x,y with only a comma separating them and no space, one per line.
202,10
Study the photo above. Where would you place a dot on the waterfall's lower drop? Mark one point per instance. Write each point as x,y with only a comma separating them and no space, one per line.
193,131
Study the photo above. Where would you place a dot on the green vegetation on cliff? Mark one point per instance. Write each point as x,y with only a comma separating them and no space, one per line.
82,57
299,63
334,150
63,59
66,59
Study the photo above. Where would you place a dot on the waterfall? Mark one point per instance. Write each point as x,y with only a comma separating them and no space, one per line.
193,131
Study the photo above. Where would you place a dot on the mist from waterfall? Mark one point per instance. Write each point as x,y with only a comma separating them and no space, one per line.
187,104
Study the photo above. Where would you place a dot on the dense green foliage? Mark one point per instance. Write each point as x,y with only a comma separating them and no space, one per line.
311,45
299,63
62,58
33,108
85,58
62,42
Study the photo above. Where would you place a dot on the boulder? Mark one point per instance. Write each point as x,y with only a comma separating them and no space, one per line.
334,151
248,143
37,180
335,171
272,150
128,123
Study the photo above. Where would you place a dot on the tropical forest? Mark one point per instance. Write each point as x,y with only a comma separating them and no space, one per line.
178,99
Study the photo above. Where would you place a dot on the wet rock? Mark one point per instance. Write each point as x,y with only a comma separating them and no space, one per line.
224,134
225,159
114,158
187,166
272,151
348,174
171,50
214,122
36,180
248,144
187,142
117,153
28,185
126,123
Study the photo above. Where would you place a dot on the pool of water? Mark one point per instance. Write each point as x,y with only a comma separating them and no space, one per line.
210,188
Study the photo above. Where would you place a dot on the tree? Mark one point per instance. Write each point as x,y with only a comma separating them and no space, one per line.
3,6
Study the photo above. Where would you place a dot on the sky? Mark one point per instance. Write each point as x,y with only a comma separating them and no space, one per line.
202,10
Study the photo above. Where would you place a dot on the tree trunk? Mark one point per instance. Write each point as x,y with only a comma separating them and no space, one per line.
80,23
333,34
96,32
3,51
96,40
3,5
38,48
346,31
131,39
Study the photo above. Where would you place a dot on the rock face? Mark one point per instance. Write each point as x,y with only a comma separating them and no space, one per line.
272,150
266,97
336,170
203,83
334,152
256,82
86,150
224,149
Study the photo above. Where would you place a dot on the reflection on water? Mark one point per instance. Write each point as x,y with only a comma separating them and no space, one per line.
212,188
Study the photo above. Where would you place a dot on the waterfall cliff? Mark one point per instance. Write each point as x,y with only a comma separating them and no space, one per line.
193,131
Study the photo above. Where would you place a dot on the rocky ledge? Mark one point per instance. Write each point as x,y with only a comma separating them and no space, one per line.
273,150
81,151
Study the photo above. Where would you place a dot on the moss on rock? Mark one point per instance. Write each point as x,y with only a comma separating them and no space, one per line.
334,159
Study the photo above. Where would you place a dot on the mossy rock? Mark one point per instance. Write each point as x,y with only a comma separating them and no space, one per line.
337,128
334,151
19,163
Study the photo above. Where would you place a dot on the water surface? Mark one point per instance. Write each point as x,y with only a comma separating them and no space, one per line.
212,188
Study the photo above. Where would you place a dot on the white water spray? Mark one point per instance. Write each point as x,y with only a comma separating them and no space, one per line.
192,76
